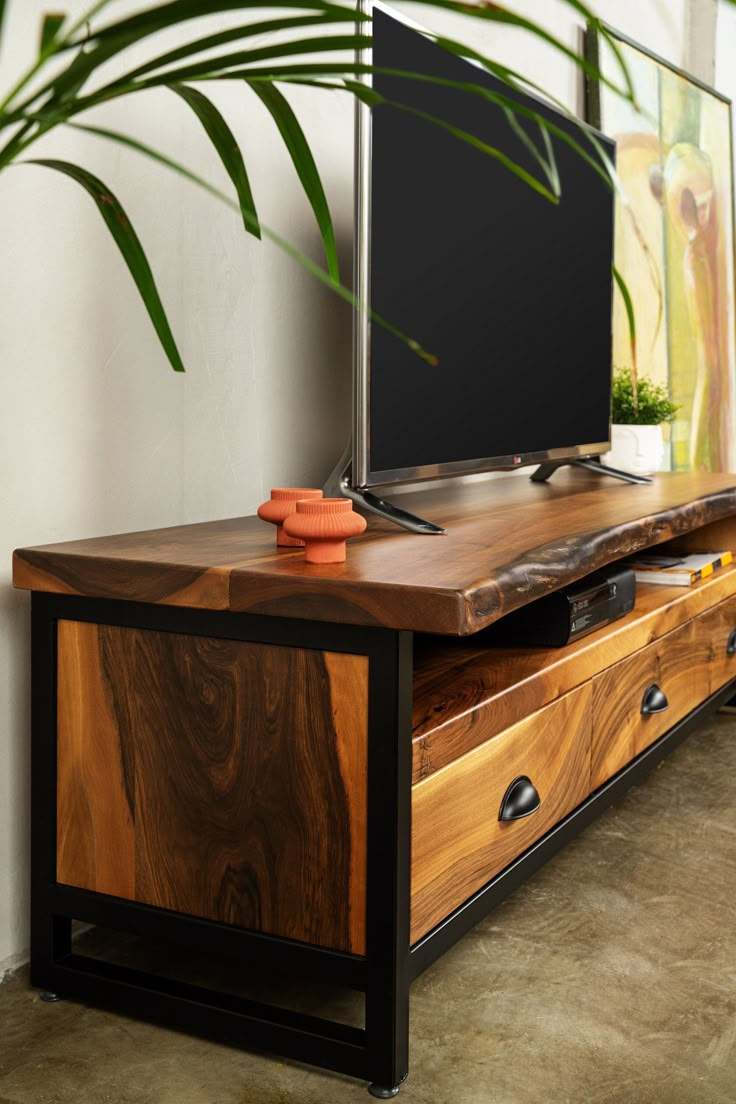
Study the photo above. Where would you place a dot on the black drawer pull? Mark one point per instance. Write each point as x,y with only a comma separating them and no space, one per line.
520,800
654,701
731,646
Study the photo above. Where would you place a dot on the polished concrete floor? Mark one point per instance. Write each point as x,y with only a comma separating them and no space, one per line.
609,978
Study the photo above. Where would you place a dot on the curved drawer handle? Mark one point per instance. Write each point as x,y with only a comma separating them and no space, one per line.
731,646
654,701
520,800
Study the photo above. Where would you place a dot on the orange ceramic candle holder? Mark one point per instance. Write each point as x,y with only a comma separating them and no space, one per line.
324,525
283,502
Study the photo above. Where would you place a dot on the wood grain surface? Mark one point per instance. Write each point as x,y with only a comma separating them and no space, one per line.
717,627
458,842
467,690
508,542
679,664
217,778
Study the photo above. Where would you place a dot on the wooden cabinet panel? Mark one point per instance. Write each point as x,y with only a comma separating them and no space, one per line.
465,691
458,842
716,627
217,778
679,664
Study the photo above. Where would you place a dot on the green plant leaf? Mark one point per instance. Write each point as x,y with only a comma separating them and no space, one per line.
127,242
373,98
301,155
223,140
497,13
221,65
101,45
628,304
49,29
291,251
329,13
639,401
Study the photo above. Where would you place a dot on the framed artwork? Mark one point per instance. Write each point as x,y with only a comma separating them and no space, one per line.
674,242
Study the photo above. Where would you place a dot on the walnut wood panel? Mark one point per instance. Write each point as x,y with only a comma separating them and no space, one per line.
508,541
458,843
719,536
467,690
679,664
716,627
95,773
235,774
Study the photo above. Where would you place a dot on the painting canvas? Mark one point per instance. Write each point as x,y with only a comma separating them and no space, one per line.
674,243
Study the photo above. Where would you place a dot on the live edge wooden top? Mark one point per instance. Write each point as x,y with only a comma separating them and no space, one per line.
508,541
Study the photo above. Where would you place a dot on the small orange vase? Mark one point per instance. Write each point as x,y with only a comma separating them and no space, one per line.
283,502
324,525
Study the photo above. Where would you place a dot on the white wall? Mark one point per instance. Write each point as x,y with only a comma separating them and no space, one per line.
96,433
725,60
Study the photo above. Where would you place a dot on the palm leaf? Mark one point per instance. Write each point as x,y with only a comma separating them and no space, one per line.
301,155
329,13
100,46
50,27
127,242
179,11
306,262
498,14
628,304
223,140
221,65
373,98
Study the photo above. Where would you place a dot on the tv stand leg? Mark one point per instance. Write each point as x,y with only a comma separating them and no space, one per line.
339,486
544,471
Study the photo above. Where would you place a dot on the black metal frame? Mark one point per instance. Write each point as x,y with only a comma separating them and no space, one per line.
379,1051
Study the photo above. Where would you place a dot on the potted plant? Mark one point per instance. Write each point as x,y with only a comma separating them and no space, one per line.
639,410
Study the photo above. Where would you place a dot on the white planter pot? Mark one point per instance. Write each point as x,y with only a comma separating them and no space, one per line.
636,448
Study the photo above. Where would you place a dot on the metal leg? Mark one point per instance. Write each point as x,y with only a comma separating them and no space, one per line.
339,485
51,935
549,467
389,859
49,998
381,1093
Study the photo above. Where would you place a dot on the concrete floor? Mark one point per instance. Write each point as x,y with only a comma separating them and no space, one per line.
609,978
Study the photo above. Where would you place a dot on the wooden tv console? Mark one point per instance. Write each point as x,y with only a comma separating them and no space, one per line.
302,767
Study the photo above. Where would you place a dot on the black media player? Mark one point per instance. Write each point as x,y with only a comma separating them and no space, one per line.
567,614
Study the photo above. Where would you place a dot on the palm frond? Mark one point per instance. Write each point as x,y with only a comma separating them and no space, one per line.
129,245
328,14
201,59
50,27
227,148
271,235
301,155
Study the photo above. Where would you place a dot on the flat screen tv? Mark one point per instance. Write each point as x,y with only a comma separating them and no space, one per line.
509,291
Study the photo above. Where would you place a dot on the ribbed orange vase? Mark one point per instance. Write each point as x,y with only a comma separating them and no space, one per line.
283,502
324,525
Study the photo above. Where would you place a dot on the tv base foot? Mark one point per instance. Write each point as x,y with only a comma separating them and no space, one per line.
544,471
339,486
381,1092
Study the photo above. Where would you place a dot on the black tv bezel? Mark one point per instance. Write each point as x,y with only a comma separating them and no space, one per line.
362,475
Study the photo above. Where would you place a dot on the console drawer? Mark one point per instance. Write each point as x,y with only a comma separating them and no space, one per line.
717,625
679,665
458,841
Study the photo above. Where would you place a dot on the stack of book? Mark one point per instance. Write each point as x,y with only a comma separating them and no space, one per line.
676,570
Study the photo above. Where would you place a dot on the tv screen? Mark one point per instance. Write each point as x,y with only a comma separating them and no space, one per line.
509,291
